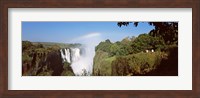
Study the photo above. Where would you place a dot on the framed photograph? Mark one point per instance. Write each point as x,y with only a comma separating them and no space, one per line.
99,49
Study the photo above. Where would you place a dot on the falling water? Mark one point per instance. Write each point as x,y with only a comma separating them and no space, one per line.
67,55
81,62
75,54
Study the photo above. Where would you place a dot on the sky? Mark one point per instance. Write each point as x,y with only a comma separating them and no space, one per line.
71,32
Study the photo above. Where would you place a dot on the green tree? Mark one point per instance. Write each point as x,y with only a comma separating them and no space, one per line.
26,45
39,46
126,40
142,43
166,30
159,44
104,46
126,45
120,67
114,49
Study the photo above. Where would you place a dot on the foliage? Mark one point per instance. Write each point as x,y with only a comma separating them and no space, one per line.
146,42
121,48
126,57
43,59
142,42
67,70
26,45
168,31
104,46
117,48
136,64
101,66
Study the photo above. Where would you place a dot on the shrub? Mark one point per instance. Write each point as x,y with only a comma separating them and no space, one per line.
136,64
102,64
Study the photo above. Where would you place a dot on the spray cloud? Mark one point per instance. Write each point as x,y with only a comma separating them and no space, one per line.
85,62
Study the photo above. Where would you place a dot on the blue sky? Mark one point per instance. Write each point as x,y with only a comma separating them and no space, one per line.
65,32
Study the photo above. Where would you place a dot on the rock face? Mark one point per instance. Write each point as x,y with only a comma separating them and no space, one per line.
47,59
53,63
46,64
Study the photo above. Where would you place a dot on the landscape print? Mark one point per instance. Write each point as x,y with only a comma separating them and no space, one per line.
100,48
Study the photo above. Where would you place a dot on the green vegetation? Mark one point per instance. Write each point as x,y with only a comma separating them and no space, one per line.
155,53
147,42
136,64
53,44
67,70
44,59
168,31
127,58
102,64
150,54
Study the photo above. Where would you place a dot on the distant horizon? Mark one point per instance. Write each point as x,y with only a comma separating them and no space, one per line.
60,32
51,42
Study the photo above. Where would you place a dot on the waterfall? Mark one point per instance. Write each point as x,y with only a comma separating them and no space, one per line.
67,55
62,55
78,61
75,54
81,59
70,55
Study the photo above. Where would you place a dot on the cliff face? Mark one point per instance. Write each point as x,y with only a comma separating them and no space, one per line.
52,62
42,61
44,64
102,64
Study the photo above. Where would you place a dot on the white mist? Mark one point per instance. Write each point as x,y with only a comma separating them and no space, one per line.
85,61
